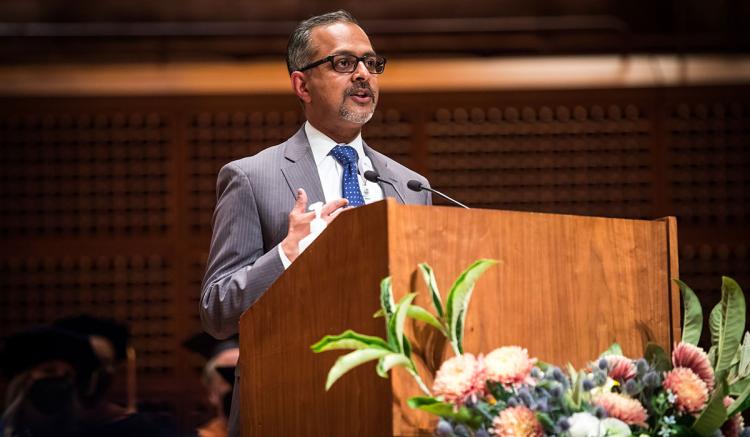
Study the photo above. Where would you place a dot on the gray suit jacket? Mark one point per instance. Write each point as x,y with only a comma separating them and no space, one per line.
254,198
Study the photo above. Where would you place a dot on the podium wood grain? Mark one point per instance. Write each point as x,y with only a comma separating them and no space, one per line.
566,288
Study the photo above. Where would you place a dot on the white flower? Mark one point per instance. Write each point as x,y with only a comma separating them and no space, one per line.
612,427
587,425
583,425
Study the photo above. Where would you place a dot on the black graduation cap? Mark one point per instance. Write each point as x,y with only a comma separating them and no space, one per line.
208,346
115,332
25,350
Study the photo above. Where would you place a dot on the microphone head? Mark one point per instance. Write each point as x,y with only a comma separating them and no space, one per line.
372,176
414,185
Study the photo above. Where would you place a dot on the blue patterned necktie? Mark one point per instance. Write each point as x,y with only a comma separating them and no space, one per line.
348,157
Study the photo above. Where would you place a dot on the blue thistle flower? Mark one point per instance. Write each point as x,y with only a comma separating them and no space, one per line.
641,367
632,387
652,379
602,364
462,430
563,424
558,375
587,385
600,413
481,433
556,391
444,429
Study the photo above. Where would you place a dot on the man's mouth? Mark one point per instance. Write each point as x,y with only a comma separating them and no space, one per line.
361,95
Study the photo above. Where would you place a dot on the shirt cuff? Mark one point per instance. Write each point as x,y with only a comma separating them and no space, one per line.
284,260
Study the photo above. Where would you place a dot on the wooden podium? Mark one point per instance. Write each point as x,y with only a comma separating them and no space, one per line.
567,287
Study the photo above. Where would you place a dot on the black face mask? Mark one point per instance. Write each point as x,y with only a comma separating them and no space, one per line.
51,396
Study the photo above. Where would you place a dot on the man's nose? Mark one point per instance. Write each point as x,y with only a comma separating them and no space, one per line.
361,72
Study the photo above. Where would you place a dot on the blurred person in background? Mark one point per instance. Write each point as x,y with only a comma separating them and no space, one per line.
49,372
217,377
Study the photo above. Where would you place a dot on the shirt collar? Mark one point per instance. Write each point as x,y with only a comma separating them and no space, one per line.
321,144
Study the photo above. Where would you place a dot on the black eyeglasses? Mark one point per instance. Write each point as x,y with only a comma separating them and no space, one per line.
348,63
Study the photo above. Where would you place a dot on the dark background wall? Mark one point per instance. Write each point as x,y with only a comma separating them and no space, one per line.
106,195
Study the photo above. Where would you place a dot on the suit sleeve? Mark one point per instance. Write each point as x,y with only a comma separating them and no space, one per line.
238,271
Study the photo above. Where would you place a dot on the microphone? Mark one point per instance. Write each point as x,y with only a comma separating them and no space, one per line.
373,176
415,185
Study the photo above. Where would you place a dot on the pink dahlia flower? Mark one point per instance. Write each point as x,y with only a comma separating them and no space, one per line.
621,407
620,368
695,359
459,378
689,388
735,424
517,422
509,365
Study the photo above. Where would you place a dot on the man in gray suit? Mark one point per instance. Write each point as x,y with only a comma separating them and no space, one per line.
261,215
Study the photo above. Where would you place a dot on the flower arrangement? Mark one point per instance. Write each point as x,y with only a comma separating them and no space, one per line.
508,393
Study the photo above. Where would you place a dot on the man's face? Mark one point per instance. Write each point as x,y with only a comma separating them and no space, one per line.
340,100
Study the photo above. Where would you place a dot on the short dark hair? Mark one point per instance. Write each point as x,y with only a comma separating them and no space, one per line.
299,51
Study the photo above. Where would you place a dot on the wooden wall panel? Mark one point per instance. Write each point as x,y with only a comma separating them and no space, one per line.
106,202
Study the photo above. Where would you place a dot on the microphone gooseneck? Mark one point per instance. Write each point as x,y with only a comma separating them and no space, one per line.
373,176
417,186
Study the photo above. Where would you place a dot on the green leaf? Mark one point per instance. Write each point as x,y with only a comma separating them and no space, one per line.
712,356
387,304
546,421
351,360
743,369
614,349
742,402
459,297
714,324
432,406
389,361
378,313
349,340
396,323
692,314
442,409
737,387
714,415
429,279
419,313
657,357
733,323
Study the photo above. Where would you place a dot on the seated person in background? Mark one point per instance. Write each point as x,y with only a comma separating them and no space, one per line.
49,372
109,340
217,378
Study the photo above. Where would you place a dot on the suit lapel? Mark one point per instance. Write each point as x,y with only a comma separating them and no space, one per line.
381,166
300,170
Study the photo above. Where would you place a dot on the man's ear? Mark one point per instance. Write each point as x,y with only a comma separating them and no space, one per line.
299,85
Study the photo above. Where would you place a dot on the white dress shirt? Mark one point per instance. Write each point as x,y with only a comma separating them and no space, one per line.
330,171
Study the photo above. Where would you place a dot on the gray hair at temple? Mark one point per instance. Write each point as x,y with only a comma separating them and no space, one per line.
299,50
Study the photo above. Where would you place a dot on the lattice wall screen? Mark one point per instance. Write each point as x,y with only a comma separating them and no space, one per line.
105,203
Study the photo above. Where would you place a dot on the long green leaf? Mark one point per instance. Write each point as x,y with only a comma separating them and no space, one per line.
739,386
443,409
743,369
742,402
715,321
349,340
419,313
656,356
714,415
391,360
387,304
692,314
733,323
351,360
396,324
429,278
613,349
459,297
